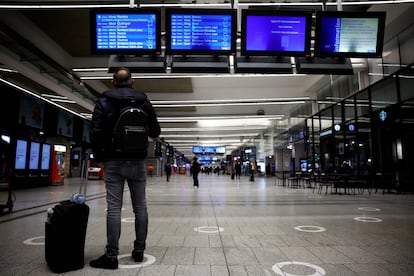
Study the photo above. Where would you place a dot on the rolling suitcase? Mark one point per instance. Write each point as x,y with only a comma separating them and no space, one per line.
66,231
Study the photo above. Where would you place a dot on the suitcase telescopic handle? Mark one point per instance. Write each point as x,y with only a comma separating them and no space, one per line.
84,175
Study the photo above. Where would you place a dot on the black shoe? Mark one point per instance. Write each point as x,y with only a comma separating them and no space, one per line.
138,256
105,262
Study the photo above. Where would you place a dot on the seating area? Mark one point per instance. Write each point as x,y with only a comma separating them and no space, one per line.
340,183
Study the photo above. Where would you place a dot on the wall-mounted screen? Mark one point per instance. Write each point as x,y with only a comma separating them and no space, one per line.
275,33
34,156
205,159
45,161
200,31
126,31
210,150
303,165
197,149
349,34
21,153
220,150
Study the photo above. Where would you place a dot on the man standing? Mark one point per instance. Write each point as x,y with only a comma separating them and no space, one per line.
195,169
238,169
122,163
168,171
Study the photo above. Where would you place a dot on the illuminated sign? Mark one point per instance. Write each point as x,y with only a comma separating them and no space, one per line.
59,148
382,115
337,127
351,127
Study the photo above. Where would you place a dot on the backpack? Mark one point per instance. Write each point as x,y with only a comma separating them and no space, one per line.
130,134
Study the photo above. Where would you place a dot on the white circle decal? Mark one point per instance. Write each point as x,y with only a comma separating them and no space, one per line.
319,271
367,219
310,228
149,260
209,229
32,241
369,209
128,220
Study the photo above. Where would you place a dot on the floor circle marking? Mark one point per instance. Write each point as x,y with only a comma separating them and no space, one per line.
367,219
209,229
32,241
369,209
149,260
319,271
310,228
132,219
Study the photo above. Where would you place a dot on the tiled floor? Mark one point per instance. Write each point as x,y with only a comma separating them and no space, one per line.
228,227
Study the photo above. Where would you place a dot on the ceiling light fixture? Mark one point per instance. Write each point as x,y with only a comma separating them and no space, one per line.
62,100
225,104
201,118
225,5
195,75
229,102
209,135
204,142
283,99
101,69
228,5
64,6
8,70
333,3
54,96
206,129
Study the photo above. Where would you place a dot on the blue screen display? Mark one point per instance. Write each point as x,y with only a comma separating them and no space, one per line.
221,150
126,31
34,156
201,32
44,165
275,33
21,152
209,149
349,35
197,149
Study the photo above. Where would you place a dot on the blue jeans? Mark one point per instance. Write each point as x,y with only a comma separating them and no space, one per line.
134,172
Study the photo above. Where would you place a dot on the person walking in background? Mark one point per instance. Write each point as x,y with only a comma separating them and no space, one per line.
238,168
195,169
252,170
124,155
150,170
168,171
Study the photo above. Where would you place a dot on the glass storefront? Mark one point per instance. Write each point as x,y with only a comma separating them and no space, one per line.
371,132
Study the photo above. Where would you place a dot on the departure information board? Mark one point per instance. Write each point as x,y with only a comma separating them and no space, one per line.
276,33
126,31
201,32
350,35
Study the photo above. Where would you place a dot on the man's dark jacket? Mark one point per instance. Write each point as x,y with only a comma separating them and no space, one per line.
104,118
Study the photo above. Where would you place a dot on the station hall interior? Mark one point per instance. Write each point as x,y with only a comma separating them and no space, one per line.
283,121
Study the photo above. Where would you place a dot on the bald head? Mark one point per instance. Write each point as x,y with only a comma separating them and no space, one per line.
122,78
